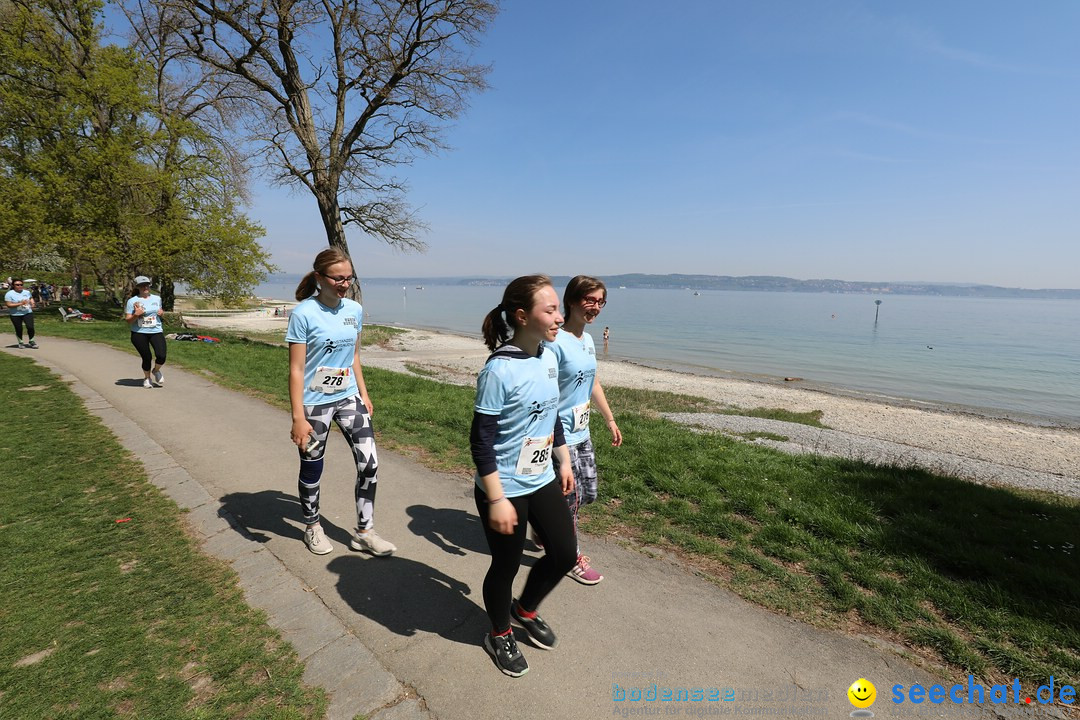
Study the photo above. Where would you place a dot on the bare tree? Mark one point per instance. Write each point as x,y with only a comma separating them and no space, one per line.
341,92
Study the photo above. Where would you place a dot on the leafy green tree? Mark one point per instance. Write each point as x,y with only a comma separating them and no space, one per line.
121,183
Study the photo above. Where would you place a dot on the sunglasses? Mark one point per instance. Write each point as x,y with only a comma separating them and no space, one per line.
17,284
340,279
593,300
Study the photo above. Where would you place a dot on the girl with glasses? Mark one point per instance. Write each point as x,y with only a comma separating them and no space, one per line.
20,304
515,432
579,390
326,383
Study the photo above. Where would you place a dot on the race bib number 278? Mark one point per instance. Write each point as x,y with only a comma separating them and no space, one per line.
331,379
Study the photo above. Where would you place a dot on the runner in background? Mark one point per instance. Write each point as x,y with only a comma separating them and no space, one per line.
143,315
326,383
579,390
20,304
515,432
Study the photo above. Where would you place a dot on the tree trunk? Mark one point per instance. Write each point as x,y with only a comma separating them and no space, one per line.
168,294
335,235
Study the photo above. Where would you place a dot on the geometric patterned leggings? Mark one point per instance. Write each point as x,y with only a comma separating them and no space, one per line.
355,423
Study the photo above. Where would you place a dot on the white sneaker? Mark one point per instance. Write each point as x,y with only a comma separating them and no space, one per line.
159,379
316,540
369,541
146,384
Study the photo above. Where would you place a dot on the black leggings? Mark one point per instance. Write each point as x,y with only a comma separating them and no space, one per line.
19,320
549,515
142,343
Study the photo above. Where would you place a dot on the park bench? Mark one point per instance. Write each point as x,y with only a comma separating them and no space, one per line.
74,315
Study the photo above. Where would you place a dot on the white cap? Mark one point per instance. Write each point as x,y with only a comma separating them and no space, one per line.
142,280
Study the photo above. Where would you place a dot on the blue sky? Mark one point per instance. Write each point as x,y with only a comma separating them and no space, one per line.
915,140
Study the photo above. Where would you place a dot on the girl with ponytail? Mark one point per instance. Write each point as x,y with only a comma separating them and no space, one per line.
326,384
515,432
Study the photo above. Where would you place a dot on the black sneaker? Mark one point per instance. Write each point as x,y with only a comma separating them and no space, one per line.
540,632
504,651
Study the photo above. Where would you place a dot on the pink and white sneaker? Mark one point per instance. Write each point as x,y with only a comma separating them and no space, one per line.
583,572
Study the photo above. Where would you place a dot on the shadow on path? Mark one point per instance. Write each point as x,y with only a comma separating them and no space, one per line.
407,597
456,532
266,512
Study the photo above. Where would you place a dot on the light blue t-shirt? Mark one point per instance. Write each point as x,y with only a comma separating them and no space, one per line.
18,297
524,393
331,335
577,373
149,323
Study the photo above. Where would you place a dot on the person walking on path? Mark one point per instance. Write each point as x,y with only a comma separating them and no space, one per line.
579,390
143,315
515,432
20,305
326,383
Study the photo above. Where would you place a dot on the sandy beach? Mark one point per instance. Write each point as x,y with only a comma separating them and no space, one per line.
1002,451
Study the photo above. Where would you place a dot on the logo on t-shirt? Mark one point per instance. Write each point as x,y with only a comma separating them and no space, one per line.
350,321
579,378
329,346
552,372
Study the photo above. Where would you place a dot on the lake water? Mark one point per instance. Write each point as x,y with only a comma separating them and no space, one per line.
1006,357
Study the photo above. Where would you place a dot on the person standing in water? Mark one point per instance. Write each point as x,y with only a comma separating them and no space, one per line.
515,432
326,384
579,390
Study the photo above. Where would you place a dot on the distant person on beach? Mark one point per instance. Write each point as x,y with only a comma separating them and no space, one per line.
326,383
20,305
143,314
607,334
579,390
515,432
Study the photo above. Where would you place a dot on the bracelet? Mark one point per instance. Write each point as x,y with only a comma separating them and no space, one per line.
496,500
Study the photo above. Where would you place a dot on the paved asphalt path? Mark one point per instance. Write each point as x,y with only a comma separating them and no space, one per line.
399,637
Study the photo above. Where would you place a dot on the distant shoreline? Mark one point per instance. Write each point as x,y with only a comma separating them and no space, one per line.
761,283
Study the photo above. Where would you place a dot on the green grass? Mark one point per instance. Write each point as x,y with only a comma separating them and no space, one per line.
124,619
985,579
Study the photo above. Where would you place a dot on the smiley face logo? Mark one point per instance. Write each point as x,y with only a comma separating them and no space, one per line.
862,693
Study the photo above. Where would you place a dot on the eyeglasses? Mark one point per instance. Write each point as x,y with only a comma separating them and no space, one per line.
591,300
340,280
17,284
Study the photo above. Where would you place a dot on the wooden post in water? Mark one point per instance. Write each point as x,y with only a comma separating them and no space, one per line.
876,310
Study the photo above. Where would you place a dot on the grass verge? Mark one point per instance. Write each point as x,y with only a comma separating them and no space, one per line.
108,608
984,579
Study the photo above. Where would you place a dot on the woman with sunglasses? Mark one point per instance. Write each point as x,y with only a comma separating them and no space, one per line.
579,390
515,432
326,383
20,305
143,315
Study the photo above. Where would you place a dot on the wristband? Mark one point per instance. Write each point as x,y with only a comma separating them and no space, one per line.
496,500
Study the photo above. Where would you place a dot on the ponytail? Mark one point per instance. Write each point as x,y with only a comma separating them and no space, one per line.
496,331
307,287
520,294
